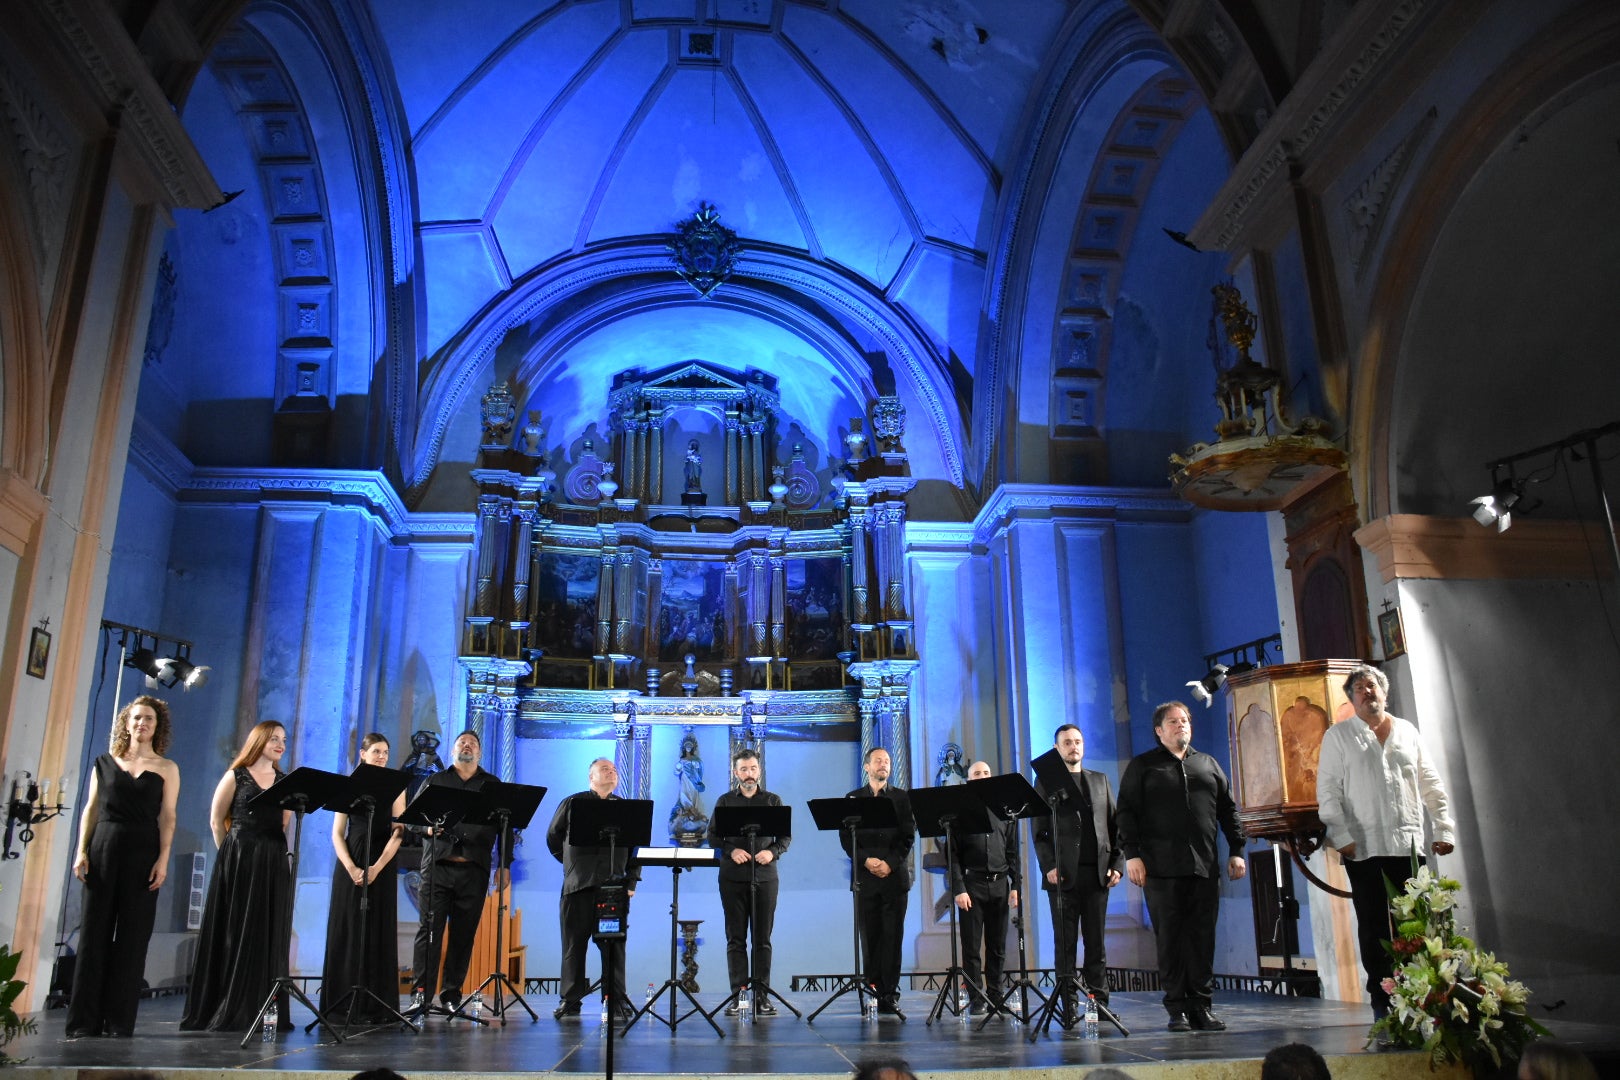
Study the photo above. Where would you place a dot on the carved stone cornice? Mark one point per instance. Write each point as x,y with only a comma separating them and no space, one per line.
1013,502
1334,84
118,75
22,507
1409,546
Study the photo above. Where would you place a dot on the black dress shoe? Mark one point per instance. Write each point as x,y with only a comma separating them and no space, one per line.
733,1009
1178,1022
567,1008
1204,1020
765,1008
889,1005
81,1033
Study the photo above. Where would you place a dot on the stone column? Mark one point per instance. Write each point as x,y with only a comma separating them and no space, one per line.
732,496
604,604
860,611
778,607
623,601
488,539
508,738
756,478
523,536
655,456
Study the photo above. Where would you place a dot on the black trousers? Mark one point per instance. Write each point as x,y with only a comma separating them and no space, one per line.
734,901
985,922
119,911
577,915
1183,910
882,912
455,892
1371,902
1080,915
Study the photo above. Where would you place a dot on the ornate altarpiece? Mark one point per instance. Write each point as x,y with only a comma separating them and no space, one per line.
601,608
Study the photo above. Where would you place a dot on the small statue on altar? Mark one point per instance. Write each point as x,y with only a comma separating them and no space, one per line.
689,821
694,467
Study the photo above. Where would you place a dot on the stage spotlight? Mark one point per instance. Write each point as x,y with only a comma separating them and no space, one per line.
147,663
1496,508
180,670
1205,689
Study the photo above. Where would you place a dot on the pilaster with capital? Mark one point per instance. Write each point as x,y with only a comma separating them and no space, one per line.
860,611
523,514
732,496
624,598
756,477
655,455
778,607
488,539
604,603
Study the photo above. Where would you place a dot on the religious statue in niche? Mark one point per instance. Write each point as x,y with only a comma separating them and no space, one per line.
951,770
694,467
689,821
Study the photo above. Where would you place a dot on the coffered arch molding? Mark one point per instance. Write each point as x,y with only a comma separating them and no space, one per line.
828,310
1583,44
24,389
1103,44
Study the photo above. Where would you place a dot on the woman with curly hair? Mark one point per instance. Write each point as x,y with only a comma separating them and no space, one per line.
125,832
243,945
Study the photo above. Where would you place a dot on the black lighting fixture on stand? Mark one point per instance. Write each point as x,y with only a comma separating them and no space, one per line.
148,652
1508,494
1245,657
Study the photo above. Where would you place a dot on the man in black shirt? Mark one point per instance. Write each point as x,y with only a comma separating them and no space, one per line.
1172,801
584,868
981,884
735,901
883,859
1080,867
458,879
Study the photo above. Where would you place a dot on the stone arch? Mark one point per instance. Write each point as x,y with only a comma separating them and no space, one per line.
1580,50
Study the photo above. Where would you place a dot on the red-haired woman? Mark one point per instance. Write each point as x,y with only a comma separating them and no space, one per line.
243,945
124,836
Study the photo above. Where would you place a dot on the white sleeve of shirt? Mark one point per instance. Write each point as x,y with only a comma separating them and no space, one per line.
1433,793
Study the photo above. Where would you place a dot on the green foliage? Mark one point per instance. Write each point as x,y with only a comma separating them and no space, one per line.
11,1025
1448,997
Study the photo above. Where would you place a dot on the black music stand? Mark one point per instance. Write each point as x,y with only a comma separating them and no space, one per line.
368,787
506,806
1012,797
435,808
302,790
848,815
615,824
1062,788
651,856
750,823
947,811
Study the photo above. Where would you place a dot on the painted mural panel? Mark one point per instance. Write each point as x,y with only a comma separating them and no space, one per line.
692,613
565,604
815,608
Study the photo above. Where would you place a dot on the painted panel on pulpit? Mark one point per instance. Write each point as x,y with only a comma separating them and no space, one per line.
692,613
565,604
815,609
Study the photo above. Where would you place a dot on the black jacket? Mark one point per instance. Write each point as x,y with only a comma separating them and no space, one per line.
893,846
1170,810
994,851
586,867
475,843
1072,816
730,871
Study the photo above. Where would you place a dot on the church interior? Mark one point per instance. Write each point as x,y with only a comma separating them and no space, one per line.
648,379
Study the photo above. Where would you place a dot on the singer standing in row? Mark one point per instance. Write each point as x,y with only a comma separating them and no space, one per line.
125,833
243,945
883,858
373,962
736,875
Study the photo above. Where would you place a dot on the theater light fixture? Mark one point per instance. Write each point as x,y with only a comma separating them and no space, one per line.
1508,495
1245,657
161,666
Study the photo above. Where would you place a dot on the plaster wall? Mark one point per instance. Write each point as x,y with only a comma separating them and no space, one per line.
1514,720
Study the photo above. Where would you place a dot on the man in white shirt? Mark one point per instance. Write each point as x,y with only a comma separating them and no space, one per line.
1373,781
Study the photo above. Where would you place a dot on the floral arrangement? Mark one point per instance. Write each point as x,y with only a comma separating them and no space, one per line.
1448,997
11,1025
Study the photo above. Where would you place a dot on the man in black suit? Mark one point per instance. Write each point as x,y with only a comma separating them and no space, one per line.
459,878
584,868
981,884
1081,866
883,857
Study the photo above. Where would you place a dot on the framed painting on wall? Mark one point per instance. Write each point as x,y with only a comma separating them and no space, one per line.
1392,634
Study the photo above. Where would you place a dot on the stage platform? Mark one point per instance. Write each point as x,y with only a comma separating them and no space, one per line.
829,1049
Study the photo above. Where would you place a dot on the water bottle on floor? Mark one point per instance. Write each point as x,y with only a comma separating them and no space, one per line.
604,1008
745,1006
869,1005
1091,1017
272,1018
476,1009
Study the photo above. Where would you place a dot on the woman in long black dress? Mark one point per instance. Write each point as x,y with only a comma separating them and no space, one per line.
243,945
124,836
370,961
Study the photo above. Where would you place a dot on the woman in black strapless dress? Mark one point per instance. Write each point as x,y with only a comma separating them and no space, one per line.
123,858
243,945
371,961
